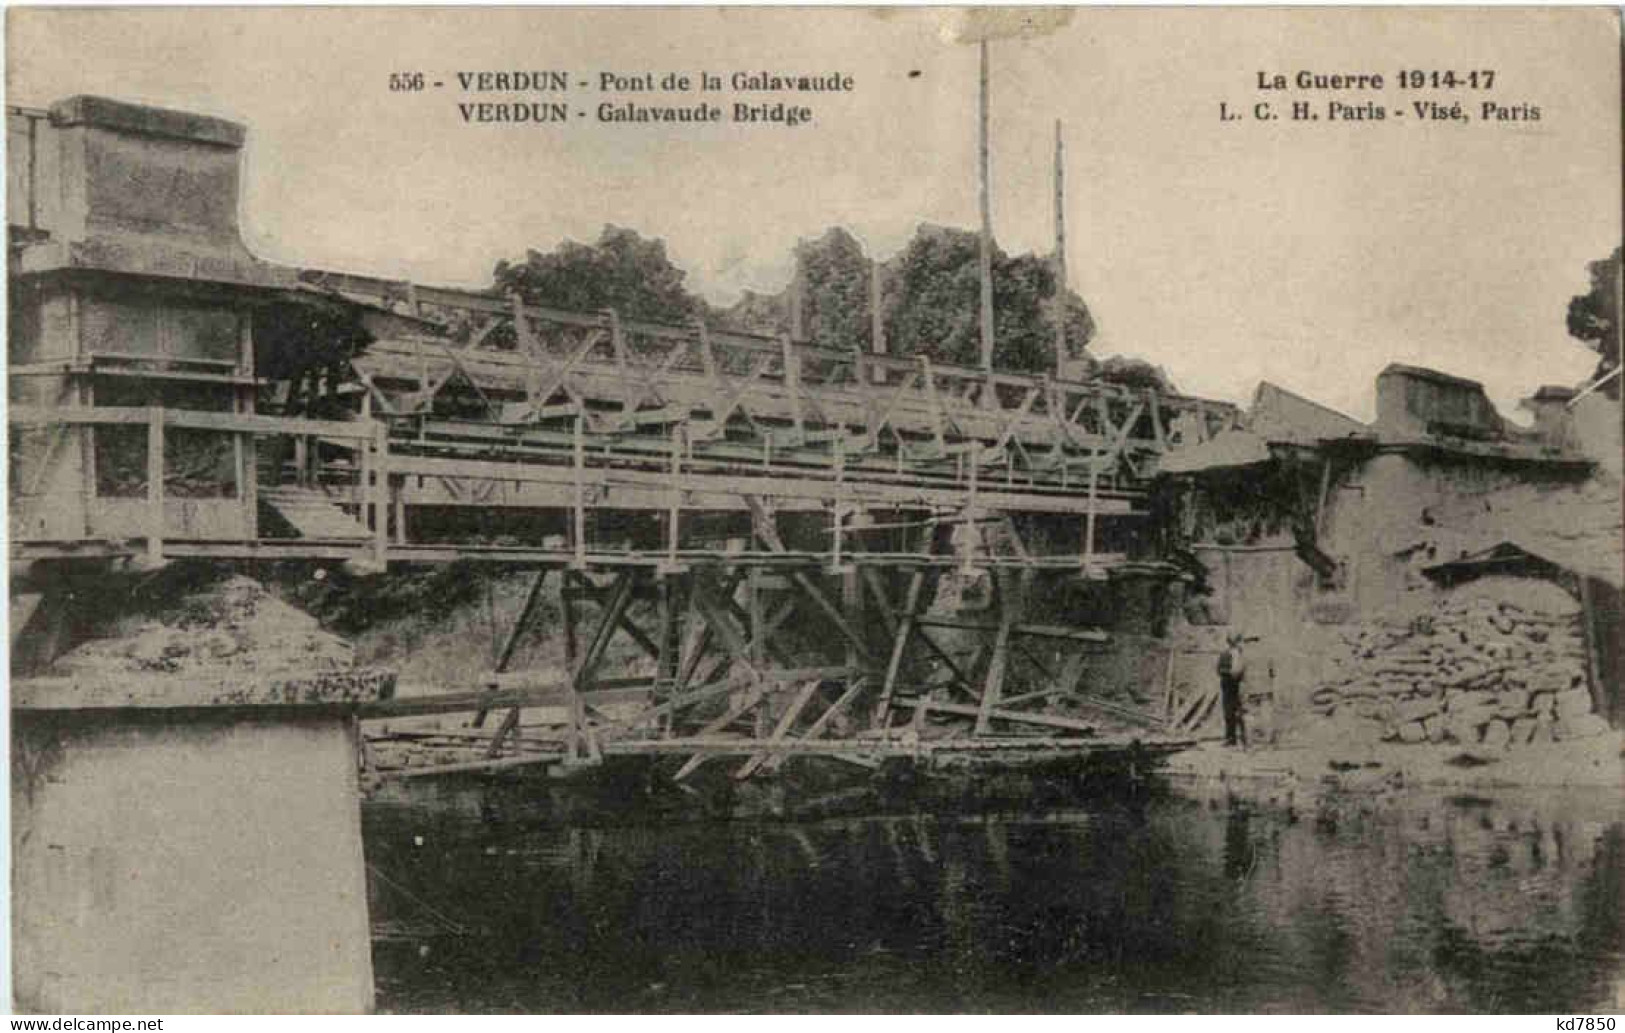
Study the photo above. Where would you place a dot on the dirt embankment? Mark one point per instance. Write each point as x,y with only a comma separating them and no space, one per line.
228,626
438,628
441,628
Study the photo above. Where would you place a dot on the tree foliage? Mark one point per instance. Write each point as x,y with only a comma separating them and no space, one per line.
1132,372
930,301
930,298
622,270
1594,315
833,274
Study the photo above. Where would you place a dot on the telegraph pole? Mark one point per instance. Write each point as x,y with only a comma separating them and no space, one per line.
987,224
877,325
1060,252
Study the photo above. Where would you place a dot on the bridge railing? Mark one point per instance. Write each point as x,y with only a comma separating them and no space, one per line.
153,514
528,364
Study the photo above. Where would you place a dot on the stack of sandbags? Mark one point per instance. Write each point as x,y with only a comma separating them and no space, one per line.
1500,665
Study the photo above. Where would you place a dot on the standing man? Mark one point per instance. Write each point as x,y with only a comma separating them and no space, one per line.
1232,672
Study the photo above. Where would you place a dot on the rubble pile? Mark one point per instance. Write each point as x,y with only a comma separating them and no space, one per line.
1499,663
232,626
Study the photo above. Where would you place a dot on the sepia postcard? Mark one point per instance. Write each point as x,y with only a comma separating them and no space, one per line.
814,510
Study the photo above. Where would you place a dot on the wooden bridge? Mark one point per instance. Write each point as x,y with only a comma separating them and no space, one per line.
701,493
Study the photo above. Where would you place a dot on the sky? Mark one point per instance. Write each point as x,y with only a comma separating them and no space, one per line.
1310,254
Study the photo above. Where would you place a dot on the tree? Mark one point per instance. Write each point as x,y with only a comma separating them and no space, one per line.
1594,316
834,274
1135,373
622,271
932,302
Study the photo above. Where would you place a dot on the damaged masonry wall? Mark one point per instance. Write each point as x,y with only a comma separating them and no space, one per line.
1373,649
1498,661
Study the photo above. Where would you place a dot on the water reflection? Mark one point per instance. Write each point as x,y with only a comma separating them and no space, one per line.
1465,904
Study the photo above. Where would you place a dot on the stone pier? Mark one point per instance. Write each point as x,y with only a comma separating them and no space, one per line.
189,846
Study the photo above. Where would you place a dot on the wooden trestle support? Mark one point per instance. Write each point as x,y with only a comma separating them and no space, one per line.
740,639
762,663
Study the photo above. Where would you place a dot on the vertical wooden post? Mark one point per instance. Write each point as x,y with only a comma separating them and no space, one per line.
579,457
972,513
674,510
571,655
905,631
623,364
397,494
521,329
852,607
798,319
756,648
994,684
792,385
84,435
246,445
1089,517
380,492
155,484
1601,702
504,657
1157,430
666,665
33,172
837,538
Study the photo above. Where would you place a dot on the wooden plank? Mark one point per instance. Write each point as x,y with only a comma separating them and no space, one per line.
817,728
875,582
734,712
900,643
1119,710
1028,697
780,730
534,694
997,714
473,766
834,613
609,621
525,616
730,637
1196,714
763,524
953,666
993,686
190,418
378,450
510,642
155,486
716,491
1055,631
709,690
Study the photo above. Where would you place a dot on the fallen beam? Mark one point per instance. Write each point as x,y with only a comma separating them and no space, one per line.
1033,630
997,714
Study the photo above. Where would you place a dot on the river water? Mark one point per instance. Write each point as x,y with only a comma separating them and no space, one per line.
496,898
